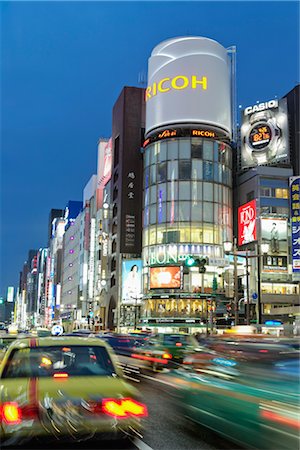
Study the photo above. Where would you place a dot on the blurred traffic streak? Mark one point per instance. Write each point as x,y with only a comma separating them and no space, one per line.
164,350
66,388
123,344
249,396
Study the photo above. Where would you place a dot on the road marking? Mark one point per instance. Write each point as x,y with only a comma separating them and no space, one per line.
141,444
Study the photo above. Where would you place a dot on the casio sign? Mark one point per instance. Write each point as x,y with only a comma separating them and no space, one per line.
261,107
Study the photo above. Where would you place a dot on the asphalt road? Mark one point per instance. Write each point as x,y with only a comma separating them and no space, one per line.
166,428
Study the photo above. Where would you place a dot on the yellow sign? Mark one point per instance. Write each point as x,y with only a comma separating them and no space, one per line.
179,82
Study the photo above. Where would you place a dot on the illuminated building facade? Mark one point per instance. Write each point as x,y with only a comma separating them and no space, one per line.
187,203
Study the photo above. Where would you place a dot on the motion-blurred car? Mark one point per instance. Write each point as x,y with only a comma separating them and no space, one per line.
255,405
165,350
122,344
65,388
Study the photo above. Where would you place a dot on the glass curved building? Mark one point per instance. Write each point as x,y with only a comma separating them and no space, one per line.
187,202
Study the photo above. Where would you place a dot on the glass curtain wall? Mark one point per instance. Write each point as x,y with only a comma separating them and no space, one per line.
187,193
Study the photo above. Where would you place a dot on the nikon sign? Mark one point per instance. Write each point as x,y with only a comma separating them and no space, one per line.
188,84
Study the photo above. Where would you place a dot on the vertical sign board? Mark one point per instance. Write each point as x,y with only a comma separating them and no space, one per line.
10,294
295,225
247,223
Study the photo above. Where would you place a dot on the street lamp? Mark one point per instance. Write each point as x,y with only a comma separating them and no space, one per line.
228,247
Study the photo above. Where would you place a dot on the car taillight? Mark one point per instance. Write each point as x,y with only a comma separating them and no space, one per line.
178,344
167,356
61,375
11,413
123,408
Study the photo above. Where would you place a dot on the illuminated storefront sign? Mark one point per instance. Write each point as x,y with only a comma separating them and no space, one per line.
174,254
170,133
295,222
247,223
264,134
165,277
178,82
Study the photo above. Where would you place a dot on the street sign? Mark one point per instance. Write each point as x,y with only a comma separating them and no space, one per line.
254,296
57,330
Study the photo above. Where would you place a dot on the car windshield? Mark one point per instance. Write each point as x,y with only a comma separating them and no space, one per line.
73,360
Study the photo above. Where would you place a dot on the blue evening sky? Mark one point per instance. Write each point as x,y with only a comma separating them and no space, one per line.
63,65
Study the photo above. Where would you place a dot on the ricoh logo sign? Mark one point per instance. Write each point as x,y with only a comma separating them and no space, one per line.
247,223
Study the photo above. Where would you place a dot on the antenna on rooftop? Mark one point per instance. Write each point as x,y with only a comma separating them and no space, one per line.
142,79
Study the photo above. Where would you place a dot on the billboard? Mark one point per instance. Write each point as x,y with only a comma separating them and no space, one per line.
188,83
264,134
165,277
247,223
10,294
131,281
274,232
295,223
104,168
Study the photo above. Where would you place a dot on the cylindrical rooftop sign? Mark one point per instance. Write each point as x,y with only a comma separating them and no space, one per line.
188,84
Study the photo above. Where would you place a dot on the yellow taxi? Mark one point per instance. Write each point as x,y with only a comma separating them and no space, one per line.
65,387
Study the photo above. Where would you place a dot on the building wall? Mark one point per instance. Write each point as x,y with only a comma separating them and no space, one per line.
70,272
126,188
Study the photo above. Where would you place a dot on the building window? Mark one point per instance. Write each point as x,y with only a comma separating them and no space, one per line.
162,172
207,171
197,148
281,193
265,192
116,151
184,170
250,196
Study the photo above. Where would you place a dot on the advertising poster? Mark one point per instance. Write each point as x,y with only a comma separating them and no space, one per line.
274,232
165,277
295,224
264,134
247,223
132,282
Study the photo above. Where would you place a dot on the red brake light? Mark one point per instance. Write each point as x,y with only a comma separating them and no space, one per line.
61,375
123,408
167,356
178,344
263,351
11,413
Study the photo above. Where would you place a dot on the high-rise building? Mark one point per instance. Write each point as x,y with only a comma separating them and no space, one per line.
187,203
126,195
269,157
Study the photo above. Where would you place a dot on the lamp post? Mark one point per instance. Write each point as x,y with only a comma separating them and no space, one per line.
263,249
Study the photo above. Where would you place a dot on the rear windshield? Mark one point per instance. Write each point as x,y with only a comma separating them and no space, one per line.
74,360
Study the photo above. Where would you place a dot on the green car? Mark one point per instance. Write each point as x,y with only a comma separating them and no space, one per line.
257,406
165,350
65,388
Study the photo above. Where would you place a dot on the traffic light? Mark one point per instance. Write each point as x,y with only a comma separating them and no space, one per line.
1,300
192,261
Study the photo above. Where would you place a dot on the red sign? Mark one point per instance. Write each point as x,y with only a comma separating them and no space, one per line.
247,223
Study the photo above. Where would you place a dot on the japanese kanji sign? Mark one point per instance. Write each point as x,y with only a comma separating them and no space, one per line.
295,222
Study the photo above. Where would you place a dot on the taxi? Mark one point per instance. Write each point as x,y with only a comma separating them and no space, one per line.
65,388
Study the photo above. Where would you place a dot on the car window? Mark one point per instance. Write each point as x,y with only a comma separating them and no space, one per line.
74,360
